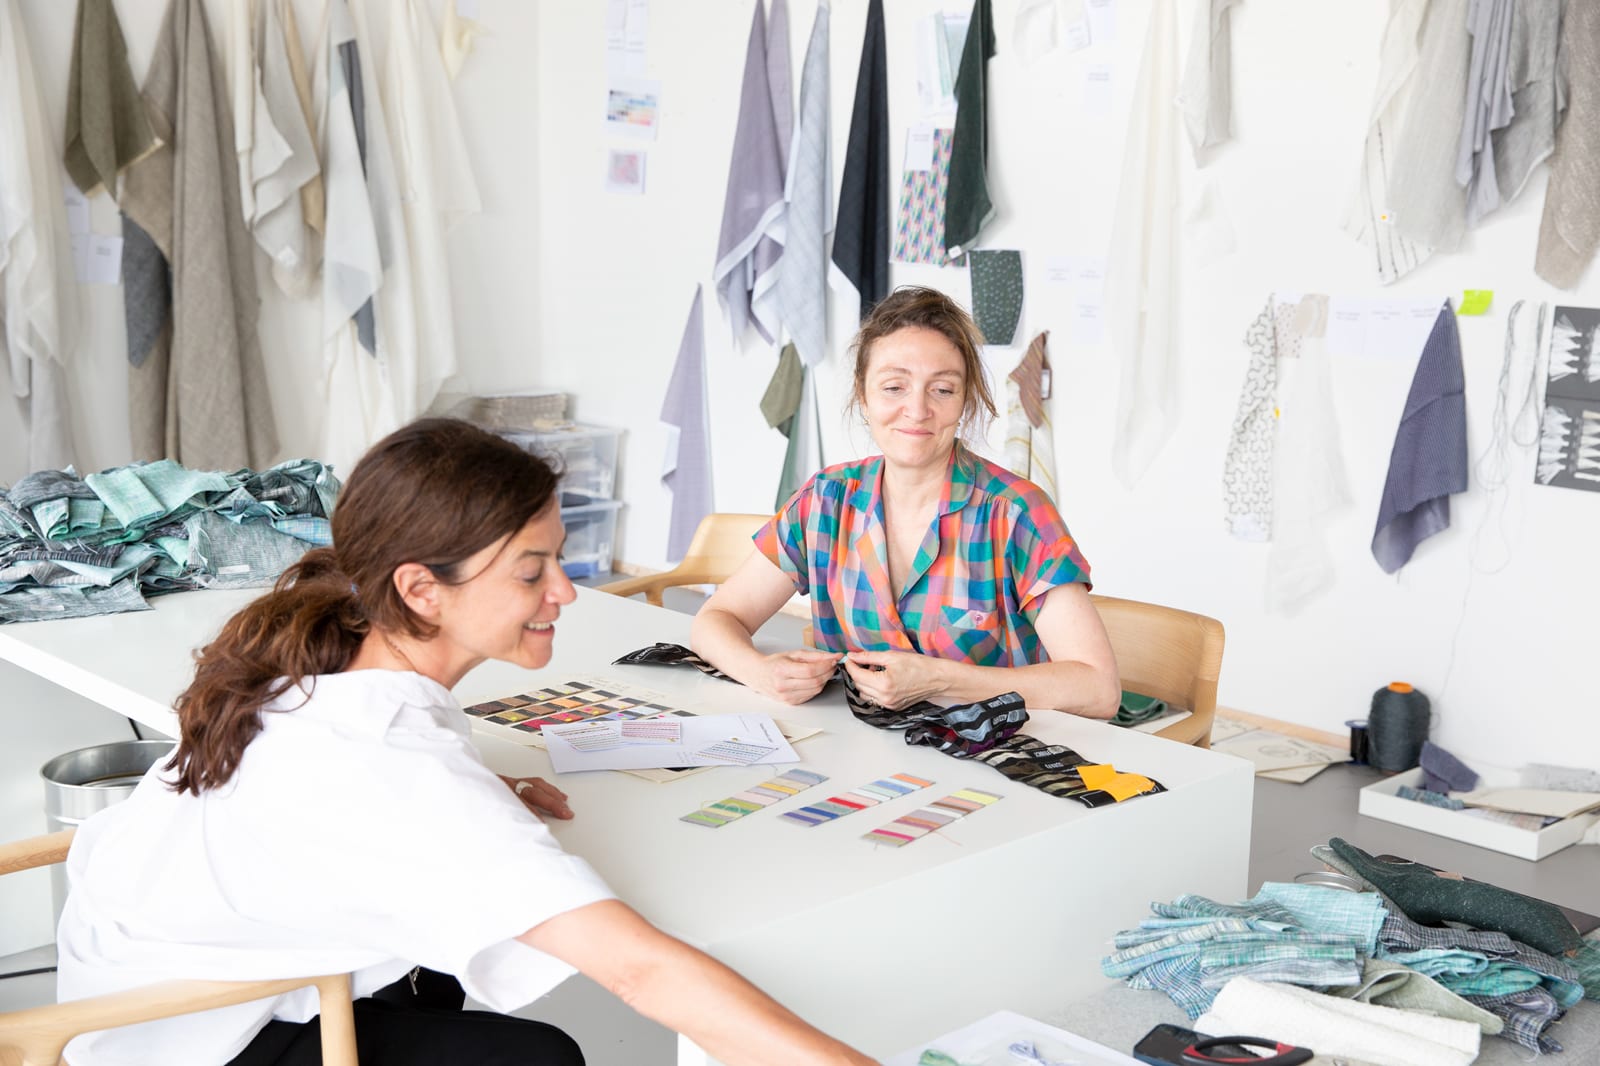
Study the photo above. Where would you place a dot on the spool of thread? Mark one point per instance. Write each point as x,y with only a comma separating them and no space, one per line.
1397,724
1359,748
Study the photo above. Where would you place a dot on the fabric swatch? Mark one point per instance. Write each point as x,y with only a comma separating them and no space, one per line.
869,795
787,784
919,225
929,819
996,294
861,231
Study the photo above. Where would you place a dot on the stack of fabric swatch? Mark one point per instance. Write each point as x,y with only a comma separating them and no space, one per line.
100,544
1363,946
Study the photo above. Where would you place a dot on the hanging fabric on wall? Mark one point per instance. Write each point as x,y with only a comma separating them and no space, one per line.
1537,97
1427,206
1570,230
312,195
790,406
1369,219
1206,94
919,224
198,393
1247,469
996,293
752,209
687,469
1036,28
436,185
861,233
1429,460
38,294
803,270
1140,293
1030,438
967,205
779,80
107,128
1488,103
273,143
456,37
1309,486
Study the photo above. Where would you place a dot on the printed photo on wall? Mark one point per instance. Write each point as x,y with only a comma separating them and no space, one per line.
1569,438
625,172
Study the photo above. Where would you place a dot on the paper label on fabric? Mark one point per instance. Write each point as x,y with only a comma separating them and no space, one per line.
77,207
919,149
1097,89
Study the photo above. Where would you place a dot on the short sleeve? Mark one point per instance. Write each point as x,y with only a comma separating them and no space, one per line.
783,539
1042,554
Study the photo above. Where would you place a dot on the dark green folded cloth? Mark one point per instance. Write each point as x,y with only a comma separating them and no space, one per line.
1136,709
1427,898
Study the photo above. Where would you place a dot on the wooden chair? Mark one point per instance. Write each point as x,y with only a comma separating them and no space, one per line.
36,1036
721,543
1170,654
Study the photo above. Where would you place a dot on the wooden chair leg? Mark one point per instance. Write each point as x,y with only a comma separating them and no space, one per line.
338,1024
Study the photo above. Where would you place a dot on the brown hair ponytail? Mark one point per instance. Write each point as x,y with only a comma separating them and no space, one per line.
434,492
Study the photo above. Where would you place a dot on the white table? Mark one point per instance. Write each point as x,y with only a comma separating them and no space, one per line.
1010,907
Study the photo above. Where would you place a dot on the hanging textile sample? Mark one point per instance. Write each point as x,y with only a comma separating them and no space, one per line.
790,406
1206,93
1569,437
312,195
38,293
750,244
456,36
861,231
1030,438
107,128
1140,277
996,293
1429,461
803,270
687,469
968,207
1570,230
1247,469
919,223
197,389
1538,96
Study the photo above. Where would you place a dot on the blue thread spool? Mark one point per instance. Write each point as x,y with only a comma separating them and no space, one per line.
1397,725
1359,747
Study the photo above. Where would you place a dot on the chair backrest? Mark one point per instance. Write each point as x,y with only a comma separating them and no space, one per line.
720,545
35,1036
1171,654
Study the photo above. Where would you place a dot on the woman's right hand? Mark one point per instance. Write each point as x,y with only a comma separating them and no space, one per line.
796,676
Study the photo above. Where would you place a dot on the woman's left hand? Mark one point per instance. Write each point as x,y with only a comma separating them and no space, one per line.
896,679
539,796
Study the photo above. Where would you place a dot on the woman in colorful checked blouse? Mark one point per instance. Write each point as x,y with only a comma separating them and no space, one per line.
935,573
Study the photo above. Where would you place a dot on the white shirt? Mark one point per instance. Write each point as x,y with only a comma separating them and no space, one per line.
361,833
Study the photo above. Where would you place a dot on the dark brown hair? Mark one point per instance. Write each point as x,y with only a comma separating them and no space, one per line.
915,306
434,492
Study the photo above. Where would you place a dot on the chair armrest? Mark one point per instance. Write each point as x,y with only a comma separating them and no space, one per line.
632,586
35,851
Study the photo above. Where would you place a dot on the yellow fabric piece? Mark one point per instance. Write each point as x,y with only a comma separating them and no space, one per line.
1118,785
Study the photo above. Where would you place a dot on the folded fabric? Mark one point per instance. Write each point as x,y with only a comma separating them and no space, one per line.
1136,709
1525,1016
1443,772
1425,897
1337,1027
1391,984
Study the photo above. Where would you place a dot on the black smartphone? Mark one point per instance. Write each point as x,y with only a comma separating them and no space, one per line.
1164,1045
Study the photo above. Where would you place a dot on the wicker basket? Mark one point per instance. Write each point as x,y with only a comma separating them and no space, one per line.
512,412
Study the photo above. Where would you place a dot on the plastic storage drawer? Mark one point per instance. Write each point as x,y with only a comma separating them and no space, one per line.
586,455
591,531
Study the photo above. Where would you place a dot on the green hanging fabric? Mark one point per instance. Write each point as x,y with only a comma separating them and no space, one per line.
967,206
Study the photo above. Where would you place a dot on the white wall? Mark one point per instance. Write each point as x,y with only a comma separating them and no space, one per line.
619,274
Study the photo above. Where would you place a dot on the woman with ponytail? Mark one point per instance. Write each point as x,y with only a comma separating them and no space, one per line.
325,809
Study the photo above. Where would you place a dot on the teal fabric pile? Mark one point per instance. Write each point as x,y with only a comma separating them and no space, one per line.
71,546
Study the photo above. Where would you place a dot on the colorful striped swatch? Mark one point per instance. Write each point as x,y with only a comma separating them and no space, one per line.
866,796
936,815
789,783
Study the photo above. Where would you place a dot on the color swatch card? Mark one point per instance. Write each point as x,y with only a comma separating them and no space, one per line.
787,784
935,816
709,740
520,718
860,799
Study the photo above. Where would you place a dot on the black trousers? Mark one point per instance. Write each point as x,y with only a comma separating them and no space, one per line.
418,1021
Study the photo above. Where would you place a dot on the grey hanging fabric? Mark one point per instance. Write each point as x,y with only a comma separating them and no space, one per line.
107,128
1538,96
1206,93
199,393
687,472
1488,103
967,207
803,270
861,232
1570,230
1429,461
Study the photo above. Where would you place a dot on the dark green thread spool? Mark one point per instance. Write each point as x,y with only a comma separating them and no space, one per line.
1397,725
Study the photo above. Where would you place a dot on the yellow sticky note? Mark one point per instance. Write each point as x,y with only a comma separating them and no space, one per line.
1126,786
1097,776
1475,301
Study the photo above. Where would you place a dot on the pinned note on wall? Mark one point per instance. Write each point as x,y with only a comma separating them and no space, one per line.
1475,301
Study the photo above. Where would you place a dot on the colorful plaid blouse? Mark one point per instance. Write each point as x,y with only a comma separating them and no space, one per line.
997,546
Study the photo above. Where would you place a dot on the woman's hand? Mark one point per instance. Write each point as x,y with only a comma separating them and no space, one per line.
896,679
539,796
796,676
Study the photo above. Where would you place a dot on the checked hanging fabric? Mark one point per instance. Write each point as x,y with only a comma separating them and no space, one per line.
986,731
